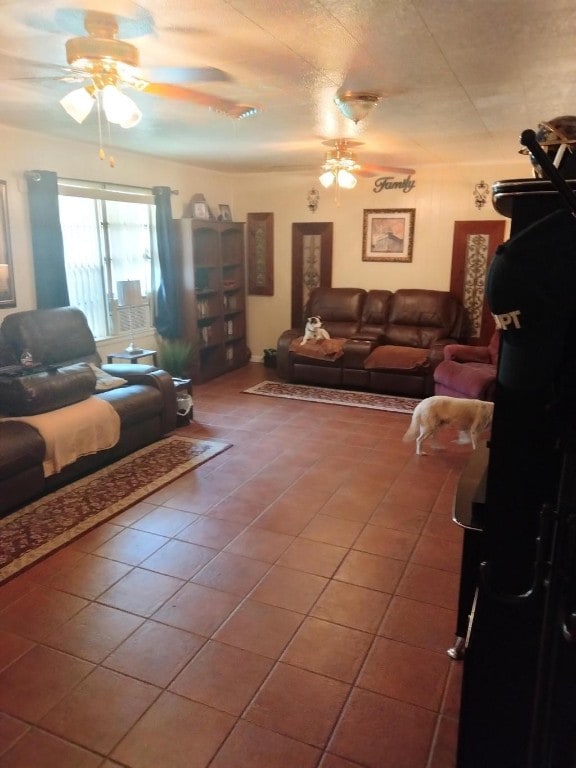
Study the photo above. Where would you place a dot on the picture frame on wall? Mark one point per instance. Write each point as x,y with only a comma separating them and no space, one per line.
260,253
388,234
225,212
201,211
7,294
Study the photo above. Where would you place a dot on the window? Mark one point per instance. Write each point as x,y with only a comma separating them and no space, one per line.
110,254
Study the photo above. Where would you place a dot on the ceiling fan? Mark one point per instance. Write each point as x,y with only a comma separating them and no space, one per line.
107,67
340,167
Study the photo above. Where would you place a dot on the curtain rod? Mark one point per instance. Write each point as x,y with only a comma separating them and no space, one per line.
37,175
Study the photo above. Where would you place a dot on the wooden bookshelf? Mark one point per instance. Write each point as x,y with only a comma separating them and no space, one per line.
213,294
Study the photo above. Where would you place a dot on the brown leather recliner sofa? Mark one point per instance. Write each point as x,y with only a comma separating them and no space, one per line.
61,343
392,341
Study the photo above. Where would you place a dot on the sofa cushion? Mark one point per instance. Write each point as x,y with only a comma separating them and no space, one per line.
105,381
391,358
53,336
419,317
135,404
46,391
340,309
322,349
375,314
412,306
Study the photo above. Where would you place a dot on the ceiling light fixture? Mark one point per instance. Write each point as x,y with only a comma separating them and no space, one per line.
110,64
79,103
118,107
355,105
338,168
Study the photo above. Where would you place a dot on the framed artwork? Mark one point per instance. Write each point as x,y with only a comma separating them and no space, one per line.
311,264
260,253
388,235
201,211
7,293
473,247
225,212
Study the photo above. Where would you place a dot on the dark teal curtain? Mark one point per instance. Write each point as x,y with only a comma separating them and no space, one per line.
167,300
47,244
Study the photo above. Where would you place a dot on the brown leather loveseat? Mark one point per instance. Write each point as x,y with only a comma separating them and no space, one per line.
390,341
61,343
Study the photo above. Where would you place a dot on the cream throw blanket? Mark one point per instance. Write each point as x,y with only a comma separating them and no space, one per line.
76,430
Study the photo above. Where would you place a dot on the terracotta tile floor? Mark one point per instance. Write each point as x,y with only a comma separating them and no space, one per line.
286,605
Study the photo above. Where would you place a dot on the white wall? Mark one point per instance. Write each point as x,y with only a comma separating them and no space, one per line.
442,195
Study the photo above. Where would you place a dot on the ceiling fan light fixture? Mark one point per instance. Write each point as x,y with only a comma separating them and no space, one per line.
346,179
355,105
339,165
119,108
101,46
327,179
78,104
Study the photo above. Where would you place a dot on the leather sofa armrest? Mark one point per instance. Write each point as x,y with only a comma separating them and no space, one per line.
132,372
149,375
356,350
284,364
45,391
464,353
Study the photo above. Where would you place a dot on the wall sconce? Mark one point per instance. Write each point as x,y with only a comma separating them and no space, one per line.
480,194
313,199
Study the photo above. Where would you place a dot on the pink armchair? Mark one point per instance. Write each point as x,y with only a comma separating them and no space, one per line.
468,371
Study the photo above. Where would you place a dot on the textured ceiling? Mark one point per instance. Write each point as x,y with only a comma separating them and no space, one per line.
461,78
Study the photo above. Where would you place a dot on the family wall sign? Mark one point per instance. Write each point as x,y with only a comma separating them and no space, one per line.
391,182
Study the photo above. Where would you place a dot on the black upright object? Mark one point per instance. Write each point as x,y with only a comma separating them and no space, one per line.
518,707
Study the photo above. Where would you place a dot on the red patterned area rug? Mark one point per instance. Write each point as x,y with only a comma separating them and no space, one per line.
40,528
334,396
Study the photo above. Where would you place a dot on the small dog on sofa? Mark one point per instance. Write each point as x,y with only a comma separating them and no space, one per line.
313,330
470,417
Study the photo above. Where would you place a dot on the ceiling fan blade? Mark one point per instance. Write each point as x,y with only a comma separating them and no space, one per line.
186,74
132,20
378,170
225,106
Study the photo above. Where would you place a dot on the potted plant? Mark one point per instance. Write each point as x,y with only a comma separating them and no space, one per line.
176,357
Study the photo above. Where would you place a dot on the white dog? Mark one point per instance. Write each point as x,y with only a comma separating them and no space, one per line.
470,417
313,330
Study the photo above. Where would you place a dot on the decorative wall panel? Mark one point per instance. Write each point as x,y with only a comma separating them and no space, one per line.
472,250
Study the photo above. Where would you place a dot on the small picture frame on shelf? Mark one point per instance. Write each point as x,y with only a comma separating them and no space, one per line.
201,211
225,212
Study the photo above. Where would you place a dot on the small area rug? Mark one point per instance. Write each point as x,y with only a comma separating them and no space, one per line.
40,528
334,396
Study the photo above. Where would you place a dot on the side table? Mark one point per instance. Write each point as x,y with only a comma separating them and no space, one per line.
133,356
